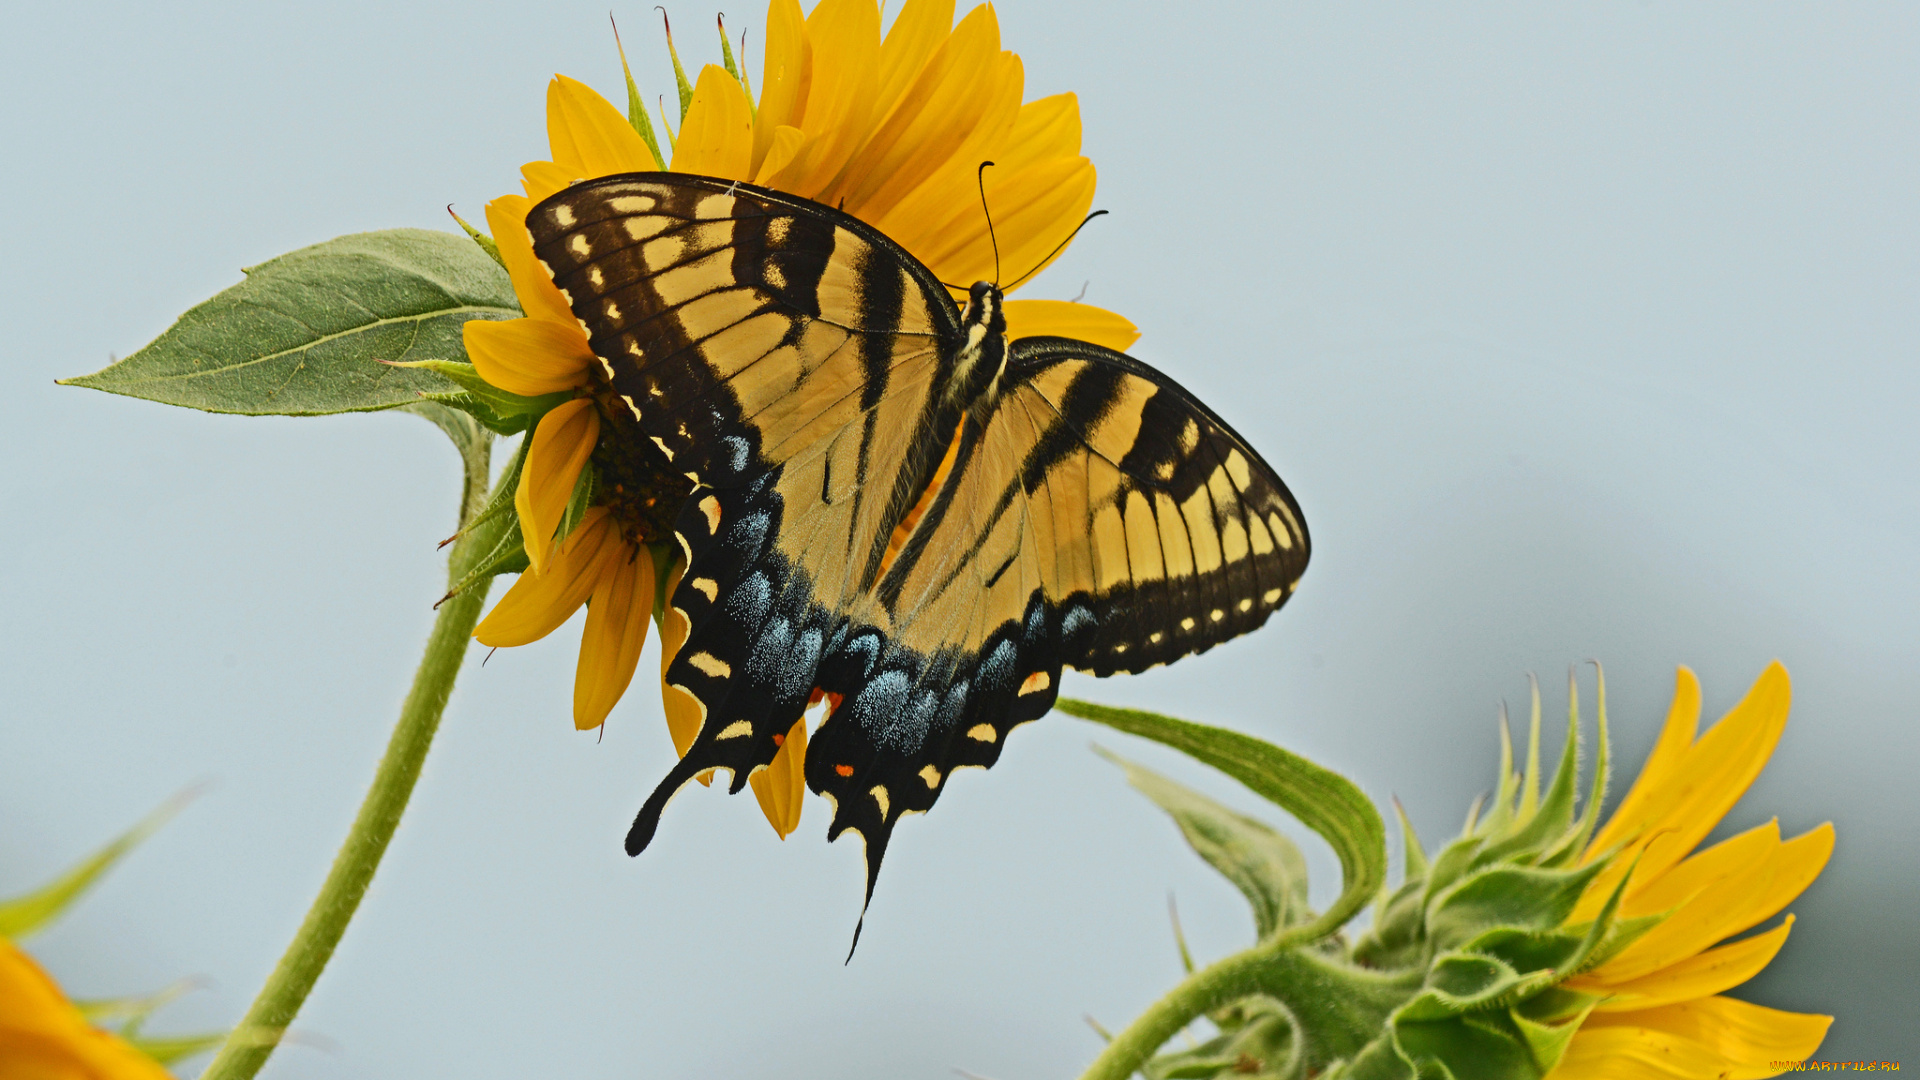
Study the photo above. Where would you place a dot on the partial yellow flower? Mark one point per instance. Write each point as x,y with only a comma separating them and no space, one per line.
43,1036
890,129
1661,1012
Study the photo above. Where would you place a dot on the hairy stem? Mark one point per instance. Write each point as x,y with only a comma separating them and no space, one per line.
279,1001
1337,1008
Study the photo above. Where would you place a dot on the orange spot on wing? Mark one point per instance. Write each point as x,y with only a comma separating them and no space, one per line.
779,739
843,770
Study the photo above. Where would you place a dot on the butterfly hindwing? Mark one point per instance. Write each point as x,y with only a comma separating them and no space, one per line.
861,527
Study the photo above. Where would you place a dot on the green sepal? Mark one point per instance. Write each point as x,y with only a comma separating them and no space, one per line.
486,242
507,554
739,74
1500,815
1482,1046
302,334
23,915
167,1049
1541,822
666,558
1453,861
1576,838
1462,982
679,73
1397,938
1548,1041
1413,856
500,411
1523,897
1324,801
1556,1003
1264,865
584,489
637,109
1263,1046
133,1008
726,52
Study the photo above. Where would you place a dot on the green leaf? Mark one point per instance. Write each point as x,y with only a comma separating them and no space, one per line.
473,441
1265,866
1324,801
303,334
23,915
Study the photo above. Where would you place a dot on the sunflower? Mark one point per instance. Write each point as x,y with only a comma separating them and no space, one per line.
891,129
44,1036
1661,1011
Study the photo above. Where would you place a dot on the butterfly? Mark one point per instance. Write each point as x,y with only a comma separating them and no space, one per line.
891,501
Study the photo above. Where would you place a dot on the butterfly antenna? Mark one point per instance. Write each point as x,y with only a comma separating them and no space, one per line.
1056,251
981,178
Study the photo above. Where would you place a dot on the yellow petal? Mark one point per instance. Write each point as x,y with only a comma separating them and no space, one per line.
1041,163
1794,864
543,178
786,143
784,78
1662,767
1708,916
1718,770
539,603
530,357
940,111
716,139
845,38
43,1036
1732,856
1696,977
617,617
1722,891
1745,1038
925,217
588,136
684,712
539,297
916,32
1682,794
1063,318
1041,213
1046,128
781,787
562,443
1642,1053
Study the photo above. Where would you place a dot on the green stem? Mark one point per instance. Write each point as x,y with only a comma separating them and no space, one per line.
293,978
1337,1008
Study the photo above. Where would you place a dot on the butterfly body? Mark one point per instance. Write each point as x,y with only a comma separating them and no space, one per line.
892,502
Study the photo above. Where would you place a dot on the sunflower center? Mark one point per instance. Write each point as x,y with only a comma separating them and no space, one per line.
639,488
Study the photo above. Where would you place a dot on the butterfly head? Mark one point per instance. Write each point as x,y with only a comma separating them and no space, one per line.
983,353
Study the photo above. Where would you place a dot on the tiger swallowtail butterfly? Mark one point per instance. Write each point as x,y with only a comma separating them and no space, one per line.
892,502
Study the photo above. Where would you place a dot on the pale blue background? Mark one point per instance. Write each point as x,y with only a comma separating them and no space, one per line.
1579,330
